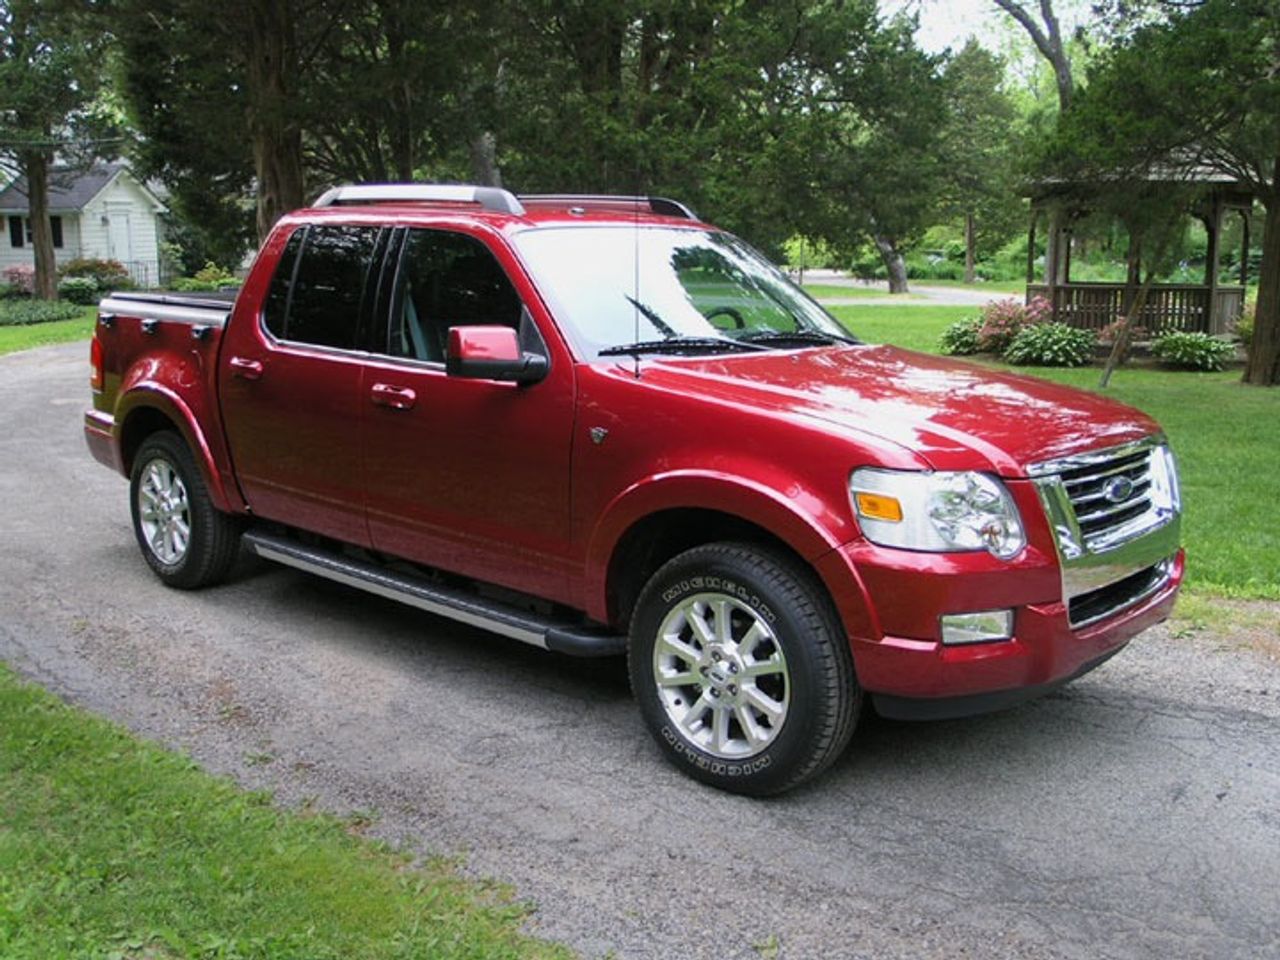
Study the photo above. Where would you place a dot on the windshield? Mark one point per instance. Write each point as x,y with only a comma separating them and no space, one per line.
619,289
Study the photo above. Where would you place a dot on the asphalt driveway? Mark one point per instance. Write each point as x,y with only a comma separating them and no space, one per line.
1133,814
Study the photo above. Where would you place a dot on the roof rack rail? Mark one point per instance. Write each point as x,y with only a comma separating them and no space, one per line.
491,198
659,205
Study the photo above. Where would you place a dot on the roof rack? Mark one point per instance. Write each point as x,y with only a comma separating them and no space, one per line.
490,198
659,205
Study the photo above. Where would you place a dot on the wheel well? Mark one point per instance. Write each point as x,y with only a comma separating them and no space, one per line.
655,539
141,424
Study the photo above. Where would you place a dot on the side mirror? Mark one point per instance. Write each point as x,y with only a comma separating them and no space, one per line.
491,353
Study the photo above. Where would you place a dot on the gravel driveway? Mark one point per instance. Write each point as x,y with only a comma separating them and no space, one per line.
1133,814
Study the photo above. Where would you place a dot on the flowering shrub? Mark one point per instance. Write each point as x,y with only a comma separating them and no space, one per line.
962,337
1051,345
1002,320
1191,351
21,280
1112,330
106,274
1244,326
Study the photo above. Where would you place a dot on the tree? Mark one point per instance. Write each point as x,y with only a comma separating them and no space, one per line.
977,150
1043,29
49,76
1199,90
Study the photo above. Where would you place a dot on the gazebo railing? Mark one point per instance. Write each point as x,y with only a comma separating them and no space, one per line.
1169,306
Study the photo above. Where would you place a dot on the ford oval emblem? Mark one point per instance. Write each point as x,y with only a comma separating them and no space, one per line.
1117,489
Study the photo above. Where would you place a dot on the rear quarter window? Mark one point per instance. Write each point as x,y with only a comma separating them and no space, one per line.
319,285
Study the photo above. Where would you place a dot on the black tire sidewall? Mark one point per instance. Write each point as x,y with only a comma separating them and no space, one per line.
188,571
787,758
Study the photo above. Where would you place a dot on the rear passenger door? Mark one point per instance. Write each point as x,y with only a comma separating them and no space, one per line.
290,383
468,475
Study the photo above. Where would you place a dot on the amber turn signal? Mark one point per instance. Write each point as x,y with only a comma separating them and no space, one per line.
876,506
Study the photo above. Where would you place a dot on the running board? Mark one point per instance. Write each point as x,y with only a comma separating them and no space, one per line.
573,639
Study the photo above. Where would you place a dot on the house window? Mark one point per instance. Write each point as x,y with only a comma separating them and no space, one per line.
20,232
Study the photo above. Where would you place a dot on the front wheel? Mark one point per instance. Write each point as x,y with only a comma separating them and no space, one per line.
183,537
741,669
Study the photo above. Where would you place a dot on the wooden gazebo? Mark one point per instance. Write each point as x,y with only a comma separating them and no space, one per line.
1209,307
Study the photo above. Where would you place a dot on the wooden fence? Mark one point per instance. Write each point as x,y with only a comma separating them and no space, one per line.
1169,306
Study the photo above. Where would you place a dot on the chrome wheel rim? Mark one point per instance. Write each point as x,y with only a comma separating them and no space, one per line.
721,676
164,513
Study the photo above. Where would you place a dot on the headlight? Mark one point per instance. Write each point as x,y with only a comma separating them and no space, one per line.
938,512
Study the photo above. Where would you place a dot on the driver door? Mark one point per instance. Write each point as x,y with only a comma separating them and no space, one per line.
471,476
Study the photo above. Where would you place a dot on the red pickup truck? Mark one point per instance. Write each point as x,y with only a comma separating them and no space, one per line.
604,427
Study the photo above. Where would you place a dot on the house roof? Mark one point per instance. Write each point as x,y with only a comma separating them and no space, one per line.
69,190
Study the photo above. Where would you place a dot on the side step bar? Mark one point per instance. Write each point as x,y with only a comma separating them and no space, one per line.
573,639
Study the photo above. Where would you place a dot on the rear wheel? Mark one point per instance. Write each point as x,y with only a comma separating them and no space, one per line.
183,537
741,670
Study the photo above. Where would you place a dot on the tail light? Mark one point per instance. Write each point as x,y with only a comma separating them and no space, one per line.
95,363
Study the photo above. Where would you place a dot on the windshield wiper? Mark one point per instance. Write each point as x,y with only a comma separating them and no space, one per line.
678,345
792,336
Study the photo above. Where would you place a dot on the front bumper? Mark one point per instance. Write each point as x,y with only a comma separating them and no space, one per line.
919,677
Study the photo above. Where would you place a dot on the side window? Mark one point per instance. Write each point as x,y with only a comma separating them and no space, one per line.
446,280
329,276
276,303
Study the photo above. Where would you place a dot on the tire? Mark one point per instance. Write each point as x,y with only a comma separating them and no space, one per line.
741,669
183,537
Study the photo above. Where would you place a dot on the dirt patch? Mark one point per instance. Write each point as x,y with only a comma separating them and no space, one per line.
1252,625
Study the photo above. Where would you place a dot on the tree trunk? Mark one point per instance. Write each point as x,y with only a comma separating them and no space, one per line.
277,138
893,263
1263,366
970,242
401,132
36,167
484,160
1120,346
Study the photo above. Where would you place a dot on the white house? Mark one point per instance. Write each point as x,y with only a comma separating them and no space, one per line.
103,213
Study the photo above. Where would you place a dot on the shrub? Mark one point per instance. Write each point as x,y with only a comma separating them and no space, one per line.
1002,320
1244,326
21,280
1051,345
81,290
1191,351
209,277
1109,333
962,338
24,312
106,274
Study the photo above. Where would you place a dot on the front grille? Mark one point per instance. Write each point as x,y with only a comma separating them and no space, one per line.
1092,489
1115,516
1114,597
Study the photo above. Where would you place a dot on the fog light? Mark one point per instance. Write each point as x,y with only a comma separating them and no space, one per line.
980,627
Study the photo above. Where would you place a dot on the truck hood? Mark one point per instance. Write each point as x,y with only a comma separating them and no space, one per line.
952,414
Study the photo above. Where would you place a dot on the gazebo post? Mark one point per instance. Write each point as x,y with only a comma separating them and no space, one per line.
1031,245
1245,217
1211,264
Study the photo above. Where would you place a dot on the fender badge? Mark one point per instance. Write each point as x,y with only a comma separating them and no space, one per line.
598,434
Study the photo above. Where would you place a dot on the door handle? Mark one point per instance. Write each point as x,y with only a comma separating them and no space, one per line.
397,398
246,369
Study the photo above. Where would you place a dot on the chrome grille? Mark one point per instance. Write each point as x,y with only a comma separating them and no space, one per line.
1114,514
1093,490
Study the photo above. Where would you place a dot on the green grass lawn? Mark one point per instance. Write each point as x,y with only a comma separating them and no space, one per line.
1226,436
110,847
14,338
831,291
987,286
